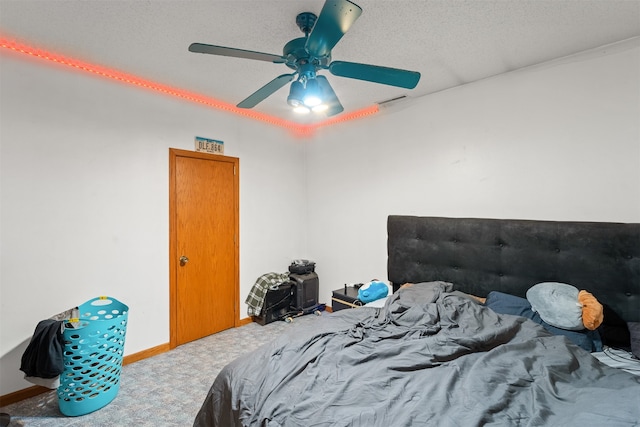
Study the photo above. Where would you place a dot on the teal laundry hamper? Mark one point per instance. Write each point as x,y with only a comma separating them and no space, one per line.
93,352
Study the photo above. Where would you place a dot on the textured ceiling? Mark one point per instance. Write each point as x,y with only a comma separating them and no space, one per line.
450,42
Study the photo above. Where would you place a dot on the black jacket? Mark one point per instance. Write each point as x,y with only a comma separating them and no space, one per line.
43,356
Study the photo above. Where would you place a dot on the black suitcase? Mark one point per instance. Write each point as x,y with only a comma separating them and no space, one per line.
276,305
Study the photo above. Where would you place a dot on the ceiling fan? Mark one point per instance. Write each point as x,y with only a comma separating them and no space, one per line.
312,53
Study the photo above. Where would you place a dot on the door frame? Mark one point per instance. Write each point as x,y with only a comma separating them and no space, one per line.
173,238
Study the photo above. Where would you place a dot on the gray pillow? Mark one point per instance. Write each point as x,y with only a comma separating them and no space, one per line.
557,304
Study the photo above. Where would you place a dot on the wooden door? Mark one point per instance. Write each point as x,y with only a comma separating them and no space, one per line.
204,270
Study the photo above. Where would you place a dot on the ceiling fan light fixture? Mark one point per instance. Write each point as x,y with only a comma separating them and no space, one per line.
296,94
321,108
312,101
312,94
301,109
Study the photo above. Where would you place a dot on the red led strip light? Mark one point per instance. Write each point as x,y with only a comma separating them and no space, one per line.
350,116
301,130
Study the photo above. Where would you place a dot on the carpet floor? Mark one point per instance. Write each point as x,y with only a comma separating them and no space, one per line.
164,390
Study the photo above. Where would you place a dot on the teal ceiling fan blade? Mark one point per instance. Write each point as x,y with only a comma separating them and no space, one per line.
330,97
236,53
265,91
334,21
375,73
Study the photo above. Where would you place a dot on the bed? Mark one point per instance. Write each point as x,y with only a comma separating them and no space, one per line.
433,355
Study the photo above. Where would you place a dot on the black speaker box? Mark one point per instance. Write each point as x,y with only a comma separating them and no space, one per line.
306,289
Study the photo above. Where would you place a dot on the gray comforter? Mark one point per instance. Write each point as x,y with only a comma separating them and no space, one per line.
427,358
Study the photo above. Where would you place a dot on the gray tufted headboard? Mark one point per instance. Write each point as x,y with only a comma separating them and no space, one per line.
483,255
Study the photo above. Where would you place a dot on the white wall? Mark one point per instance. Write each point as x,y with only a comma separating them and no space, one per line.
559,141
84,199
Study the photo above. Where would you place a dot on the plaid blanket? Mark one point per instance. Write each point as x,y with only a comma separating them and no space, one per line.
255,299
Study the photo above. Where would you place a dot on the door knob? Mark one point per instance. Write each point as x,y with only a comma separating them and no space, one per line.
183,260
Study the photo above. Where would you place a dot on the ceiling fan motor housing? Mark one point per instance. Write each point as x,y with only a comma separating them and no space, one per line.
297,55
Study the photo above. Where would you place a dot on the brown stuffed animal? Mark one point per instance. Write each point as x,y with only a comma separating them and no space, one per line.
592,311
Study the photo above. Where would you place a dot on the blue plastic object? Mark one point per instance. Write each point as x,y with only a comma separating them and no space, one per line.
93,353
372,291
